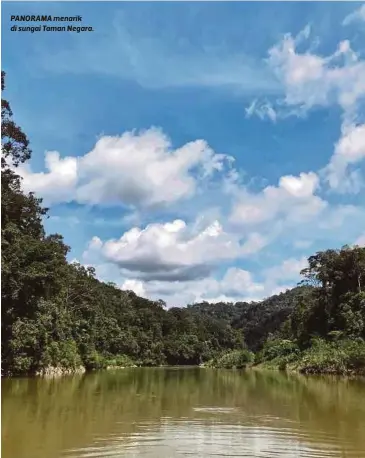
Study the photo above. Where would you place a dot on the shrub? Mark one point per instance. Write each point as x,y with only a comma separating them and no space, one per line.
339,357
120,361
93,360
278,353
236,359
61,354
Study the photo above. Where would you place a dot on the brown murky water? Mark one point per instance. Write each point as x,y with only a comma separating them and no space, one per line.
184,412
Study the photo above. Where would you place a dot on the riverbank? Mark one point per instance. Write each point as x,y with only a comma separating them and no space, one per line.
59,371
75,365
343,357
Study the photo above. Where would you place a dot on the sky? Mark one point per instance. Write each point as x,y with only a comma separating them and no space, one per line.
194,151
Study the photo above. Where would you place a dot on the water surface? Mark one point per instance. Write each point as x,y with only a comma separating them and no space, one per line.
183,412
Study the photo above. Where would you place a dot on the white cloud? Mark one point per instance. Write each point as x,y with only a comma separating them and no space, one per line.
254,243
58,183
238,281
350,149
137,169
357,15
95,244
173,250
262,109
291,216
292,200
134,285
302,186
235,285
310,80
289,269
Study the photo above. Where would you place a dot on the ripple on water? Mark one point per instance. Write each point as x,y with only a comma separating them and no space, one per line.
170,439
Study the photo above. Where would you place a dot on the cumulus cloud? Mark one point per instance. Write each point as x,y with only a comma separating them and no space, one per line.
339,214
56,185
134,169
135,286
179,263
293,199
291,215
235,285
173,250
289,269
238,282
310,80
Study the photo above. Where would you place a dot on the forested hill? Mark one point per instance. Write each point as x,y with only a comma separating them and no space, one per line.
58,314
256,319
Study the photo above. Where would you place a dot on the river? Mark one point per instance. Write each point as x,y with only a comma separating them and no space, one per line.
183,412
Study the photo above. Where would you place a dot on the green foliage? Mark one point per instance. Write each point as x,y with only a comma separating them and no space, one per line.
94,360
120,361
337,302
255,320
237,359
335,356
278,352
64,354
339,357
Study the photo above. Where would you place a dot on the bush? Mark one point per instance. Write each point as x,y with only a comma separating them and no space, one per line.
93,360
63,354
339,357
119,361
278,349
237,359
278,353
69,356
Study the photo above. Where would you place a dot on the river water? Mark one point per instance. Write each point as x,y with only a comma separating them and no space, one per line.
183,412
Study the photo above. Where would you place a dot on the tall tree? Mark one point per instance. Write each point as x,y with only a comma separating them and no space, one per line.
32,263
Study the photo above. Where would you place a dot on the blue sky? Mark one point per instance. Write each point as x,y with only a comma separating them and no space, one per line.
195,151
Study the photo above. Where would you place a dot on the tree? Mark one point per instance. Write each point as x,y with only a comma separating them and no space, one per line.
339,276
32,263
